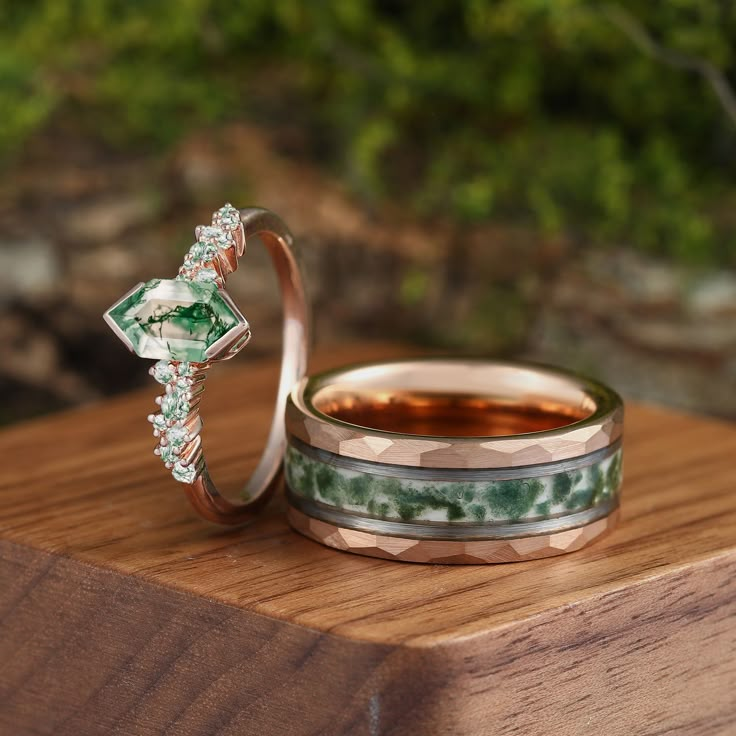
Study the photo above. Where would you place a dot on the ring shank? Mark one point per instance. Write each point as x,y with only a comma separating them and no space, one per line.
203,494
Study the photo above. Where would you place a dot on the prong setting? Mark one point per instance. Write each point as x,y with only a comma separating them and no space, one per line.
177,425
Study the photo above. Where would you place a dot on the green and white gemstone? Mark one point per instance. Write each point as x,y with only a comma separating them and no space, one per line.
184,323
388,495
175,320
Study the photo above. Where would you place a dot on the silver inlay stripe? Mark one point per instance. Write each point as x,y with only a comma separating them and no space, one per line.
458,531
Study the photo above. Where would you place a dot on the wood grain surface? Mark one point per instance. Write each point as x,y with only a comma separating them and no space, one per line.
123,613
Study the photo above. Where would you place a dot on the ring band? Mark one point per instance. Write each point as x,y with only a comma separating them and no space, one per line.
191,322
470,552
453,461
535,415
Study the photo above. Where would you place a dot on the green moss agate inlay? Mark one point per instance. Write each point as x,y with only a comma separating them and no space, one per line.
492,501
175,320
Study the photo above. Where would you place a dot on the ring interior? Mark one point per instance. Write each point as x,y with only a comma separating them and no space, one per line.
454,399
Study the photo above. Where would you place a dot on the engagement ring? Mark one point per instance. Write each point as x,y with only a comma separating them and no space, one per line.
188,323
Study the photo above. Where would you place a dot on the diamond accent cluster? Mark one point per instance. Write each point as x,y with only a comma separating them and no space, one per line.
211,256
177,424
185,324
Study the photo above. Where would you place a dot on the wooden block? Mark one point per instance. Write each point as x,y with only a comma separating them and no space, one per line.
122,613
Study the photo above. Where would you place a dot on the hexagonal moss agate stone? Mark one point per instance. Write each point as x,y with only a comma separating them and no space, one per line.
175,320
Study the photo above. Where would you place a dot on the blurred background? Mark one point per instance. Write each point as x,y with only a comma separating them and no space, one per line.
549,180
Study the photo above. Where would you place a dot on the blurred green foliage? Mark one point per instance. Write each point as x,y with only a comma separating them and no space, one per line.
534,110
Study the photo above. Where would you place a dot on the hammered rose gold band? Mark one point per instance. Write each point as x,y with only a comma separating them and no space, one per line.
450,552
500,415
453,461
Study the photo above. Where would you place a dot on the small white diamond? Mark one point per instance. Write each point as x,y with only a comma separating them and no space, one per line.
183,383
175,405
202,251
163,371
205,275
159,422
168,454
185,369
176,436
213,235
227,217
184,473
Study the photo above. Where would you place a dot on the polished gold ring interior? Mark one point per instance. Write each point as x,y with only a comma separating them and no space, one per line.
189,323
453,461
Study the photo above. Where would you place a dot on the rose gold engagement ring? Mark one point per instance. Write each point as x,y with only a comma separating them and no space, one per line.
189,323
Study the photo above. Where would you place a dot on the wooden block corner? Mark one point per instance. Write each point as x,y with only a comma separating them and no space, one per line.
123,613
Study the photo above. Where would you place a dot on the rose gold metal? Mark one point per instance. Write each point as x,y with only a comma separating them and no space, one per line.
450,552
437,413
203,494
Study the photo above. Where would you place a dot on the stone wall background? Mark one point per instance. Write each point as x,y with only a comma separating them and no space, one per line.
80,224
